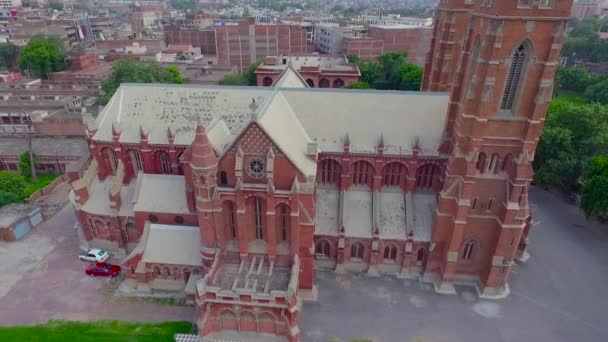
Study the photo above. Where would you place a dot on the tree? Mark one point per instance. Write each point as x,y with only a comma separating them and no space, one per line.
250,75
171,74
12,183
183,5
574,133
357,85
594,199
56,5
410,76
126,71
8,55
598,92
390,71
574,79
234,80
43,55
25,163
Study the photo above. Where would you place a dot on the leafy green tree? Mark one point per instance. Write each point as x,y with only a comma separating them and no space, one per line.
410,76
12,183
8,55
234,80
56,5
390,71
25,165
183,5
573,134
250,75
594,199
43,55
357,85
574,79
126,71
172,74
598,92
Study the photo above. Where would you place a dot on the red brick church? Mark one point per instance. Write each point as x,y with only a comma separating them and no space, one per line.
237,194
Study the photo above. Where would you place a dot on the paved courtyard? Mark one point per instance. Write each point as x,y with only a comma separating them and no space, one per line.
41,278
559,295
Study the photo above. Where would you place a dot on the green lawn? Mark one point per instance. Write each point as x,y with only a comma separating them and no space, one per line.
41,182
99,331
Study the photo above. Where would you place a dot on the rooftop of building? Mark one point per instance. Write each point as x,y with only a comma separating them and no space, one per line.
172,244
324,63
160,194
298,115
45,146
257,275
399,215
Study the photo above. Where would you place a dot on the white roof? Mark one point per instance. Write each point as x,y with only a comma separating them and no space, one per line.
327,217
156,107
161,194
358,213
176,245
284,128
326,115
425,206
392,223
400,117
290,79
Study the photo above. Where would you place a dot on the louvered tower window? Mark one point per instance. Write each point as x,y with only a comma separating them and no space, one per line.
514,77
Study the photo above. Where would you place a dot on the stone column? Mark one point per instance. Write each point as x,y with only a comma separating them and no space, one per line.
271,229
242,226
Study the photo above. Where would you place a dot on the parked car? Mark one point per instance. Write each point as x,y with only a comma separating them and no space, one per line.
94,255
102,269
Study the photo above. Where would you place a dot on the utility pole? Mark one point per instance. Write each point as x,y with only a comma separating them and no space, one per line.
31,153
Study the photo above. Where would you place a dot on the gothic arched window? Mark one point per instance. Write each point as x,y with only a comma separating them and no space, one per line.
514,77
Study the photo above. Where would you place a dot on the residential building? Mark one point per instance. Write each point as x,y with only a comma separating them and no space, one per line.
243,43
10,3
179,53
203,38
236,194
415,40
317,71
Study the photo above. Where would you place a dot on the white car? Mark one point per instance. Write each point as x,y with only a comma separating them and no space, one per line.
94,255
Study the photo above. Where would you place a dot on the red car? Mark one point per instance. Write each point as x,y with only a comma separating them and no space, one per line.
101,269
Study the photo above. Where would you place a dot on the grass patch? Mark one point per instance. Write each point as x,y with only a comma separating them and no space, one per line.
99,331
41,181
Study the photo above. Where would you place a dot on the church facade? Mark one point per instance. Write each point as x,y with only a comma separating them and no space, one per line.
236,195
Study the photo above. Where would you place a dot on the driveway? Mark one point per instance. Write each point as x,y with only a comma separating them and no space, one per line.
41,278
559,295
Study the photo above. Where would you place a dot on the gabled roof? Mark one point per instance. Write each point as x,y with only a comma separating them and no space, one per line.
290,78
293,117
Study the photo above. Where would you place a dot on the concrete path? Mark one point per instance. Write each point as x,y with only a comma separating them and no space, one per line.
559,296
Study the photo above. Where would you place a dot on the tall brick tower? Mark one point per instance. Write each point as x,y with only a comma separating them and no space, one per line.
451,24
503,88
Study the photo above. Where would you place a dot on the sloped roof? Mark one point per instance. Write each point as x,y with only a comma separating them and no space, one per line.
175,245
156,107
283,127
290,79
292,117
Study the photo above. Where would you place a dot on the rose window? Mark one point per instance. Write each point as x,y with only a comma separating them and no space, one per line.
256,168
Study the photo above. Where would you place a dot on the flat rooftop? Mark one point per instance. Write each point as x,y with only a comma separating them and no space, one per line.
256,274
45,146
